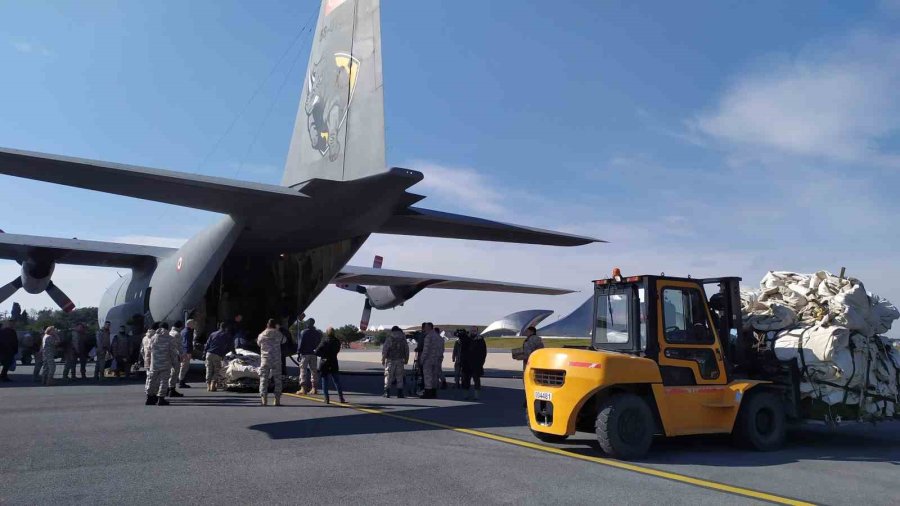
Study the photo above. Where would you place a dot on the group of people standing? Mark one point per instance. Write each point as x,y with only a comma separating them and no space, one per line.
166,354
317,357
469,355
74,348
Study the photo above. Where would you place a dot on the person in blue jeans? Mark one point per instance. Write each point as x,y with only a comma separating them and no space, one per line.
327,351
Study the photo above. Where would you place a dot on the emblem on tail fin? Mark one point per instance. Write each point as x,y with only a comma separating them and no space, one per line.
329,94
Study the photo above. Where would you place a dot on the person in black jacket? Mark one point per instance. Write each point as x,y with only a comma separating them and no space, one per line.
327,351
9,346
472,354
308,341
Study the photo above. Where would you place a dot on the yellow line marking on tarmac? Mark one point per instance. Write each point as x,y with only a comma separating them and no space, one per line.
649,471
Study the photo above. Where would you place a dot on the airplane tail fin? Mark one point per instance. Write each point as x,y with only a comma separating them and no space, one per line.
339,131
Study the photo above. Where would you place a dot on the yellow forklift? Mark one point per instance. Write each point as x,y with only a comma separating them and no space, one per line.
664,360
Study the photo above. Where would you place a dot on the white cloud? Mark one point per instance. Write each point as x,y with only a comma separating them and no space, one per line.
467,188
837,102
30,48
23,47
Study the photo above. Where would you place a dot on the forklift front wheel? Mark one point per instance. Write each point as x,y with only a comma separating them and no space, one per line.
761,423
625,426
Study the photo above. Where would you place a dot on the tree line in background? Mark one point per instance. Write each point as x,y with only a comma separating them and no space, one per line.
36,321
346,334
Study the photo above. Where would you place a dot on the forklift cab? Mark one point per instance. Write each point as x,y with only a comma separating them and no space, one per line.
672,322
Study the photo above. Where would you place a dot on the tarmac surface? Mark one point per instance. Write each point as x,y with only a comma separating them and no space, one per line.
83,442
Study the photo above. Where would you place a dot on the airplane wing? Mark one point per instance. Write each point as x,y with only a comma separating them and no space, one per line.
354,275
425,222
77,252
215,194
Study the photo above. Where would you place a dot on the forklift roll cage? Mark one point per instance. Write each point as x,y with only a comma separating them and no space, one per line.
724,321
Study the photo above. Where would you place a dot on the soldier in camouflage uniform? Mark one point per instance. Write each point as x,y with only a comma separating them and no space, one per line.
394,357
270,364
120,347
48,353
145,345
175,334
431,359
163,353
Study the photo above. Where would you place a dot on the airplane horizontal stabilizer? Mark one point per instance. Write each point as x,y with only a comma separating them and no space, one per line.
354,275
77,252
425,222
190,190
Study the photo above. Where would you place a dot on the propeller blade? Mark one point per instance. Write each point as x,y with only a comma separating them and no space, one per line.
60,298
364,321
9,289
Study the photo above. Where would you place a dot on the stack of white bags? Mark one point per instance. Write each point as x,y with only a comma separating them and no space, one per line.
241,364
833,328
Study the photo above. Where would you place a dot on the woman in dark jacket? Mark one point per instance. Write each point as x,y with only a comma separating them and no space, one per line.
472,354
327,351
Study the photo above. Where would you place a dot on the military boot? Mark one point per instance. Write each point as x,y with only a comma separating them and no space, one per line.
175,393
264,400
278,400
151,400
387,393
161,401
400,393
183,385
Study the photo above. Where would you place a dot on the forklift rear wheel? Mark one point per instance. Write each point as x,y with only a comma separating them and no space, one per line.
548,438
761,423
625,426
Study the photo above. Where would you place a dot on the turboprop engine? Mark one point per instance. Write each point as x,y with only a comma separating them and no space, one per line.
382,297
36,278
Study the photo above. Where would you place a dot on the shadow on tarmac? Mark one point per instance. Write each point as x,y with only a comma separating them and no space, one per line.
500,412
500,407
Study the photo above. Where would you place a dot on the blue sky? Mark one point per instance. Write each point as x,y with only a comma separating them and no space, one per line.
710,138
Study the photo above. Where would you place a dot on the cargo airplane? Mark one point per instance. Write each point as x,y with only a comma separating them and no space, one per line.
275,247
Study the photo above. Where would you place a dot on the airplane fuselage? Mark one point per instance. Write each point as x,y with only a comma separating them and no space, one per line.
213,278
